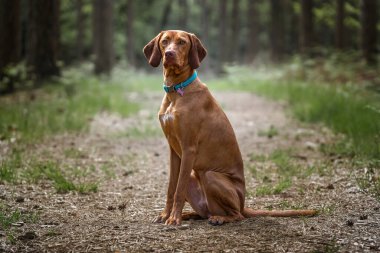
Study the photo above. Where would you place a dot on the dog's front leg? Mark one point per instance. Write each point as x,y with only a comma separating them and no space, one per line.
175,163
187,163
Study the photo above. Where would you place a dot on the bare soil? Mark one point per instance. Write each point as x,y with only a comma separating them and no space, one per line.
118,217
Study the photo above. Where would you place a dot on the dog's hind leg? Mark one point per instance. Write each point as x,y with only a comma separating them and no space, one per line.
197,200
225,199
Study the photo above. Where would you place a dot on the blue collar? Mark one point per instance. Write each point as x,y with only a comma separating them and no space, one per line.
179,87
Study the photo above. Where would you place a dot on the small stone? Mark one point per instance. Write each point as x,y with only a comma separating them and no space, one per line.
122,206
349,223
30,235
20,199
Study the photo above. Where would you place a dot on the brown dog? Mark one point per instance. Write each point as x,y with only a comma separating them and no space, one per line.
206,167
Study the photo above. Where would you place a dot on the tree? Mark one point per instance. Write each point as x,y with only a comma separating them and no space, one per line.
10,45
252,43
222,34
234,32
80,29
277,32
368,30
339,25
130,45
206,12
103,36
43,38
306,26
183,17
165,15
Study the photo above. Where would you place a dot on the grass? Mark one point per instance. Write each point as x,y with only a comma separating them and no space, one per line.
9,217
368,179
350,109
65,105
270,132
347,109
278,171
13,170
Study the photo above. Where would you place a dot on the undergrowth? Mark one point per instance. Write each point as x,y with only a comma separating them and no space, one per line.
64,179
277,171
14,217
346,108
63,105
338,92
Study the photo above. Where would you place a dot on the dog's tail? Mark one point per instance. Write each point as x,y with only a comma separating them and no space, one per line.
248,213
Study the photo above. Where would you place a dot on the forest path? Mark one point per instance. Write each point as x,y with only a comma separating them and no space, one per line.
130,157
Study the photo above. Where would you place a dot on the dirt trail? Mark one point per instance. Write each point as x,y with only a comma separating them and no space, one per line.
118,217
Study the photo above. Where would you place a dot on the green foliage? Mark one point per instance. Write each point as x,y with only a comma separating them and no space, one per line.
13,170
368,178
345,108
270,133
8,217
65,106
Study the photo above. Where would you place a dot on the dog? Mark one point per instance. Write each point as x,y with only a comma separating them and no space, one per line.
206,166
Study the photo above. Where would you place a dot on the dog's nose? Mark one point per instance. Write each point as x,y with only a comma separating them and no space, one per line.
169,54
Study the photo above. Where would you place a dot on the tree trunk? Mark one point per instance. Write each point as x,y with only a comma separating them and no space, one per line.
183,18
234,32
252,43
339,26
10,43
291,28
165,15
277,33
222,34
130,47
206,12
43,37
80,30
103,36
306,26
368,30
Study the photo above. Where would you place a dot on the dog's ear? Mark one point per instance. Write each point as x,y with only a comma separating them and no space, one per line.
152,51
197,52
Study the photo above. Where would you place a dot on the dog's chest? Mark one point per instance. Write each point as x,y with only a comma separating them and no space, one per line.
167,118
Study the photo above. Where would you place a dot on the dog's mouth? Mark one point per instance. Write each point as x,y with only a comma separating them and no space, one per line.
170,62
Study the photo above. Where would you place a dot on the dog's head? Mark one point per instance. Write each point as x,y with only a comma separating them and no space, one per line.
177,49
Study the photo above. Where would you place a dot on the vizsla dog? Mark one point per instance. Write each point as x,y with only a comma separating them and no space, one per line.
206,167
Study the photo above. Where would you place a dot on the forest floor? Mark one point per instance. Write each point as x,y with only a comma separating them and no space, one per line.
284,169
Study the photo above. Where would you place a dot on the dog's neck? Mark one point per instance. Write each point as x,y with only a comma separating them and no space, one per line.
173,76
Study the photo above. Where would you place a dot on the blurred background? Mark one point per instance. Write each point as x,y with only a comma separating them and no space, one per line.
64,61
39,38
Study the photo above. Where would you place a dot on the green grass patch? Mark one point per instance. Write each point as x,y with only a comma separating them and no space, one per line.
347,109
8,217
270,132
368,179
65,105
271,189
63,178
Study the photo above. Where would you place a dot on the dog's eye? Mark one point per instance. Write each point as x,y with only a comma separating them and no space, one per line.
164,42
181,42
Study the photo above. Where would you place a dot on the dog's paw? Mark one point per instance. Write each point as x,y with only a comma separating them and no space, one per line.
216,220
161,218
174,219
